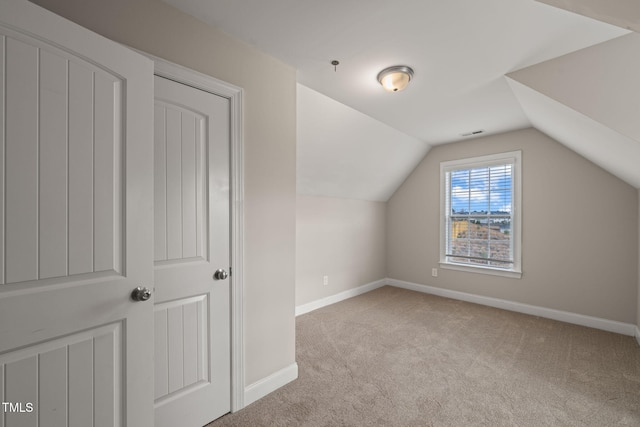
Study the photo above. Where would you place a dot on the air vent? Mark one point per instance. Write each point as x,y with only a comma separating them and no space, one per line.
475,132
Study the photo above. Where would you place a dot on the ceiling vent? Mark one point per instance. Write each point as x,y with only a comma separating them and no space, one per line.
475,132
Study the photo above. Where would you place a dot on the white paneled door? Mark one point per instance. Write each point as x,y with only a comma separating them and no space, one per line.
75,225
191,230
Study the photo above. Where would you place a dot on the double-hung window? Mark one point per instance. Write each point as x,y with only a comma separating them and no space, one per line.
481,215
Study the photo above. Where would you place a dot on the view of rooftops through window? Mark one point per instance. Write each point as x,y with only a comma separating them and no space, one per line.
479,220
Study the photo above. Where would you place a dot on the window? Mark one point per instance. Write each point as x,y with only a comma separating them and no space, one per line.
480,214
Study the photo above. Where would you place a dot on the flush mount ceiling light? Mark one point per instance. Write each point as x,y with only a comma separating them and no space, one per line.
396,78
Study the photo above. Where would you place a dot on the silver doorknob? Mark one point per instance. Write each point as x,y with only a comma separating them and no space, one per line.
220,274
141,294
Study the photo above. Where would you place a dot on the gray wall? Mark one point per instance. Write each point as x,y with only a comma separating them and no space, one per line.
344,239
270,156
579,235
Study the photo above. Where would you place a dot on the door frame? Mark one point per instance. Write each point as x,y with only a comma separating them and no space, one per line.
235,95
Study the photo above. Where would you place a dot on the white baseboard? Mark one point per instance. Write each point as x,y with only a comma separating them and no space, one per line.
638,334
314,305
261,388
549,313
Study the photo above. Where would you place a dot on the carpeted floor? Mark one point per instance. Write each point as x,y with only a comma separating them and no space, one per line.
394,357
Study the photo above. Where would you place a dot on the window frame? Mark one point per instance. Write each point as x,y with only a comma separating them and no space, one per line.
515,159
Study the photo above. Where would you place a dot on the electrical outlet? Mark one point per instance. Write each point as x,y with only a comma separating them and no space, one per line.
325,280
434,272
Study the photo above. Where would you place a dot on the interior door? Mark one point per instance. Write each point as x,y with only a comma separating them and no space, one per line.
75,225
191,193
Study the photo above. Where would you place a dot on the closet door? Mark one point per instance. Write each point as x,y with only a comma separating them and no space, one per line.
76,123
192,305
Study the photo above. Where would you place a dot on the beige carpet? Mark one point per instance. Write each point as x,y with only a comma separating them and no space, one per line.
394,357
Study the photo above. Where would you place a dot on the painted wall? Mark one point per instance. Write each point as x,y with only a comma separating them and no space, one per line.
638,314
579,235
270,153
344,239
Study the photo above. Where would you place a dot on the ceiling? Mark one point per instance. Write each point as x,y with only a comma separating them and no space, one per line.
589,100
332,138
460,51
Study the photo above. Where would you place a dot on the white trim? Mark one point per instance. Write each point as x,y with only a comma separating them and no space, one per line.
235,95
350,293
638,334
549,313
198,80
512,157
262,387
481,270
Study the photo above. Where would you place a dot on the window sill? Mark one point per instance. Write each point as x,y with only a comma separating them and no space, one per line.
481,270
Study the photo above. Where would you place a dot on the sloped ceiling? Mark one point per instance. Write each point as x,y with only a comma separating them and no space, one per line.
601,82
460,50
623,13
605,147
590,101
349,154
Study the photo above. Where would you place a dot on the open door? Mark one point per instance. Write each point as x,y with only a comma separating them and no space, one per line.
76,167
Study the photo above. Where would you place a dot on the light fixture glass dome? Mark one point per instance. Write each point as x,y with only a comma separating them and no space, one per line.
396,78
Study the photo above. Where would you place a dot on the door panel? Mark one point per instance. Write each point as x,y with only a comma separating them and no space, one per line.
179,165
184,365
192,328
63,147
21,149
64,376
53,165
76,214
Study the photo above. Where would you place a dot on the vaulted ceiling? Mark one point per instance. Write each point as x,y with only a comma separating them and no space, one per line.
491,65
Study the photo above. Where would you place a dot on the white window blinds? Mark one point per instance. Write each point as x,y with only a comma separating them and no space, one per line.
479,212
